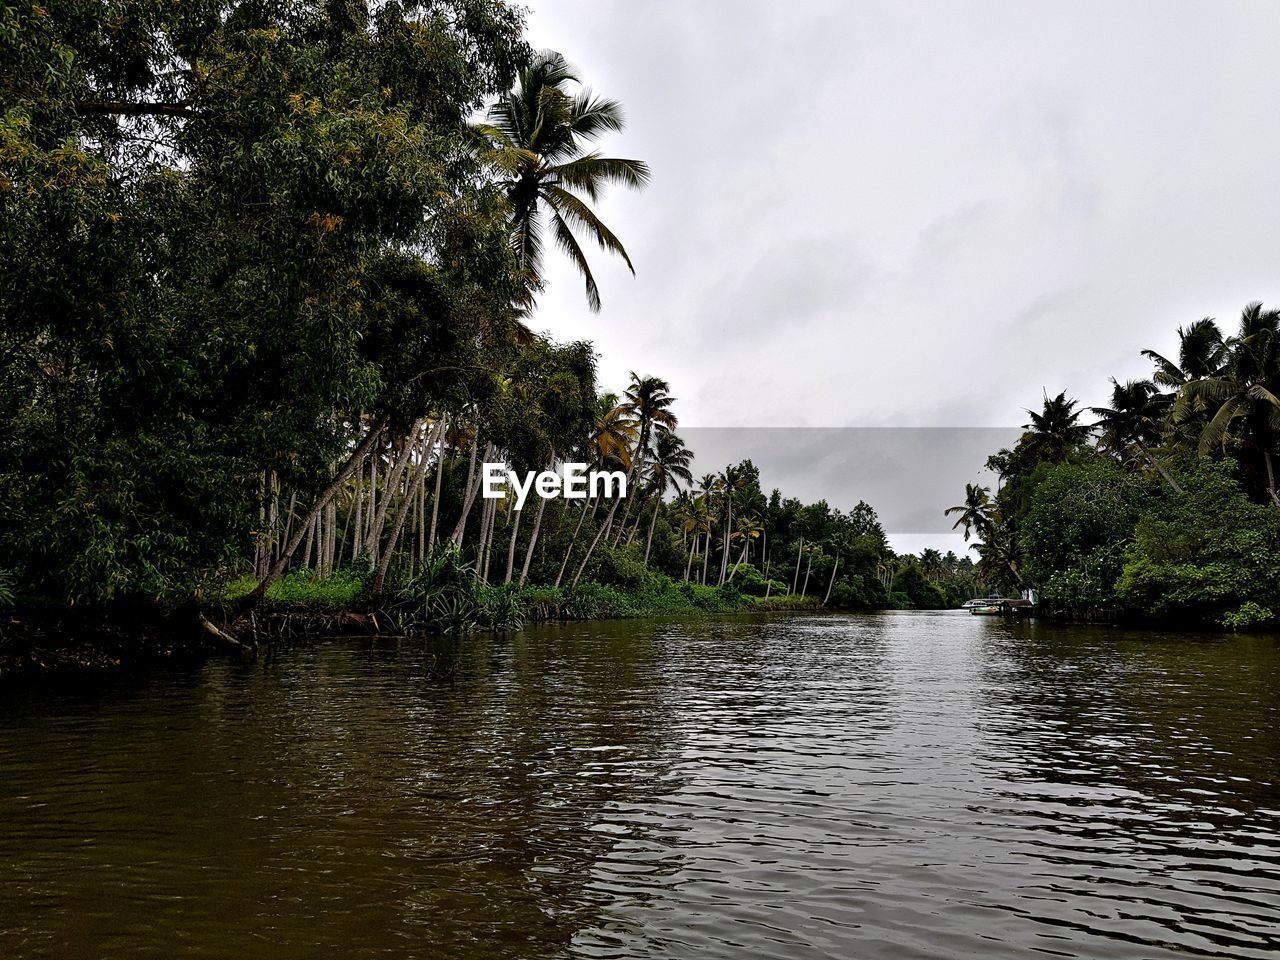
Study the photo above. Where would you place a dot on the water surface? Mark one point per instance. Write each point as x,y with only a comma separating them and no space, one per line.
889,785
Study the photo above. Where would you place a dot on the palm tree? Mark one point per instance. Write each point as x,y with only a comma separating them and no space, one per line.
695,520
709,485
1246,392
932,564
1054,432
1201,353
667,470
538,131
975,512
609,446
648,402
1135,417
615,433
731,480
746,529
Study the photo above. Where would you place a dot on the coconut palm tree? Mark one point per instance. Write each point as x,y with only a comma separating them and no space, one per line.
615,433
648,402
974,513
932,564
666,471
539,131
710,488
1202,351
610,446
746,528
1135,418
1245,394
731,481
1054,431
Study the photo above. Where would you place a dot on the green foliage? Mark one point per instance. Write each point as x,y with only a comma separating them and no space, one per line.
1250,616
1078,517
204,213
339,590
1204,554
856,593
6,589
912,591
499,607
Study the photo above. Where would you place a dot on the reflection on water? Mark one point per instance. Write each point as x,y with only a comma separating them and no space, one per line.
905,785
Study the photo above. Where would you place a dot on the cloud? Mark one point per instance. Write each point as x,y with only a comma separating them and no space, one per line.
909,214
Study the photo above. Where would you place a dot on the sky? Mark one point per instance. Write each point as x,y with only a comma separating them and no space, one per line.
909,215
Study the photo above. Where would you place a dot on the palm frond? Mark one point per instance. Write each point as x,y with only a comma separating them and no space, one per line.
577,213
569,244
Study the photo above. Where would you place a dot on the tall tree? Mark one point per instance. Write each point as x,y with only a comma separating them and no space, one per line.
1245,394
1135,419
1055,431
668,469
539,131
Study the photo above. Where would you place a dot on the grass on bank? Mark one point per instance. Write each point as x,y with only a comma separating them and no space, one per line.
446,595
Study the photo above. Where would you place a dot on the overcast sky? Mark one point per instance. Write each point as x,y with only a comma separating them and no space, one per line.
920,214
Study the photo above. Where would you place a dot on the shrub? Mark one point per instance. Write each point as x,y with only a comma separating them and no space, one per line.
1249,616
1207,554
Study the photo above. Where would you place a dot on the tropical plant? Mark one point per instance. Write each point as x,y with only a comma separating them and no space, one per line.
1055,431
1135,419
1245,393
538,131
667,470
974,513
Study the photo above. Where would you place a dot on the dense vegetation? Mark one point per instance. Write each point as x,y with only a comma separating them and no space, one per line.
266,274
1165,507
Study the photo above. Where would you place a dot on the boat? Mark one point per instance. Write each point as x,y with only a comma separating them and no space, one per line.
986,610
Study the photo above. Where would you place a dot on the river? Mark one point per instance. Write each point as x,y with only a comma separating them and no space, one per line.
889,785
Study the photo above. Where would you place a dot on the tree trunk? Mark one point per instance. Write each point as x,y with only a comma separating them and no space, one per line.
357,509
533,540
728,524
1160,467
591,549
511,546
653,521
1271,478
254,597
306,550
533,534
706,555
373,536
807,567
435,500
795,581
564,564
410,494
473,488
832,582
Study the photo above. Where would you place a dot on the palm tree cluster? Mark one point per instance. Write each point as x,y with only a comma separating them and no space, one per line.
541,406
1218,398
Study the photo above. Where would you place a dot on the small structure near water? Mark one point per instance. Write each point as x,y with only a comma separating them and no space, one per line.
1001,607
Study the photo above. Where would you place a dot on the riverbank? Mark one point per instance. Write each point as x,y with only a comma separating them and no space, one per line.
48,640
